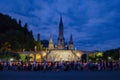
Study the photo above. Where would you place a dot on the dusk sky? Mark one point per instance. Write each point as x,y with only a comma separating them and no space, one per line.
94,24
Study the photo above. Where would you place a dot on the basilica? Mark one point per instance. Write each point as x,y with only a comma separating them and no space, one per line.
60,52
61,40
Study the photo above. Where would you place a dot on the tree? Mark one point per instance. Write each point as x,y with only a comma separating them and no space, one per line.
12,31
113,53
96,56
7,55
84,57
27,58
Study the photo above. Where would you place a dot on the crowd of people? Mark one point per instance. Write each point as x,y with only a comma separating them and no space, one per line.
60,66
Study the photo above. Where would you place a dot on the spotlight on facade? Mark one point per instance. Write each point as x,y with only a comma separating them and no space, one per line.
44,54
78,54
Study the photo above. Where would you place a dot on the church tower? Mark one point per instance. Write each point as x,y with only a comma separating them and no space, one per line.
38,43
51,45
61,39
71,46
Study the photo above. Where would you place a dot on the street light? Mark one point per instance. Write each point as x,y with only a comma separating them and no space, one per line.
109,58
11,59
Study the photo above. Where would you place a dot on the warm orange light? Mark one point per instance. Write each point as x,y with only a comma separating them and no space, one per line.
32,57
38,57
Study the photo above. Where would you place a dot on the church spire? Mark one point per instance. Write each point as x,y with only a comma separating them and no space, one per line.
38,43
51,39
61,22
71,39
71,46
61,27
51,45
61,35
38,37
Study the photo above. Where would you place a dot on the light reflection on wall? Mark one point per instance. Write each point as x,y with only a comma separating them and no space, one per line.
32,57
61,55
38,57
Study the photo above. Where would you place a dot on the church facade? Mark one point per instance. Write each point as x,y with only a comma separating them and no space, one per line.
61,40
61,52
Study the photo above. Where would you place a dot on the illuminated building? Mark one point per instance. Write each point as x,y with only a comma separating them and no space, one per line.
58,53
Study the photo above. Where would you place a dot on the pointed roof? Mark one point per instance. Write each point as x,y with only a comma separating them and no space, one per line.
61,22
51,45
50,41
38,37
71,39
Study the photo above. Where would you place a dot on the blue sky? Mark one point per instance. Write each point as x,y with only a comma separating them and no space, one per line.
94,24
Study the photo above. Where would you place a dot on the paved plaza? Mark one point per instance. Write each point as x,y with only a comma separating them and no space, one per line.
70,75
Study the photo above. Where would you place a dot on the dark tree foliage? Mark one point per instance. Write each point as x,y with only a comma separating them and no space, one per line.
45,43
84,57
113,53
7,55
18,36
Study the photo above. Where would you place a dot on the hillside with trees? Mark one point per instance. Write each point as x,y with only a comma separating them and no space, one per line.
14,36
